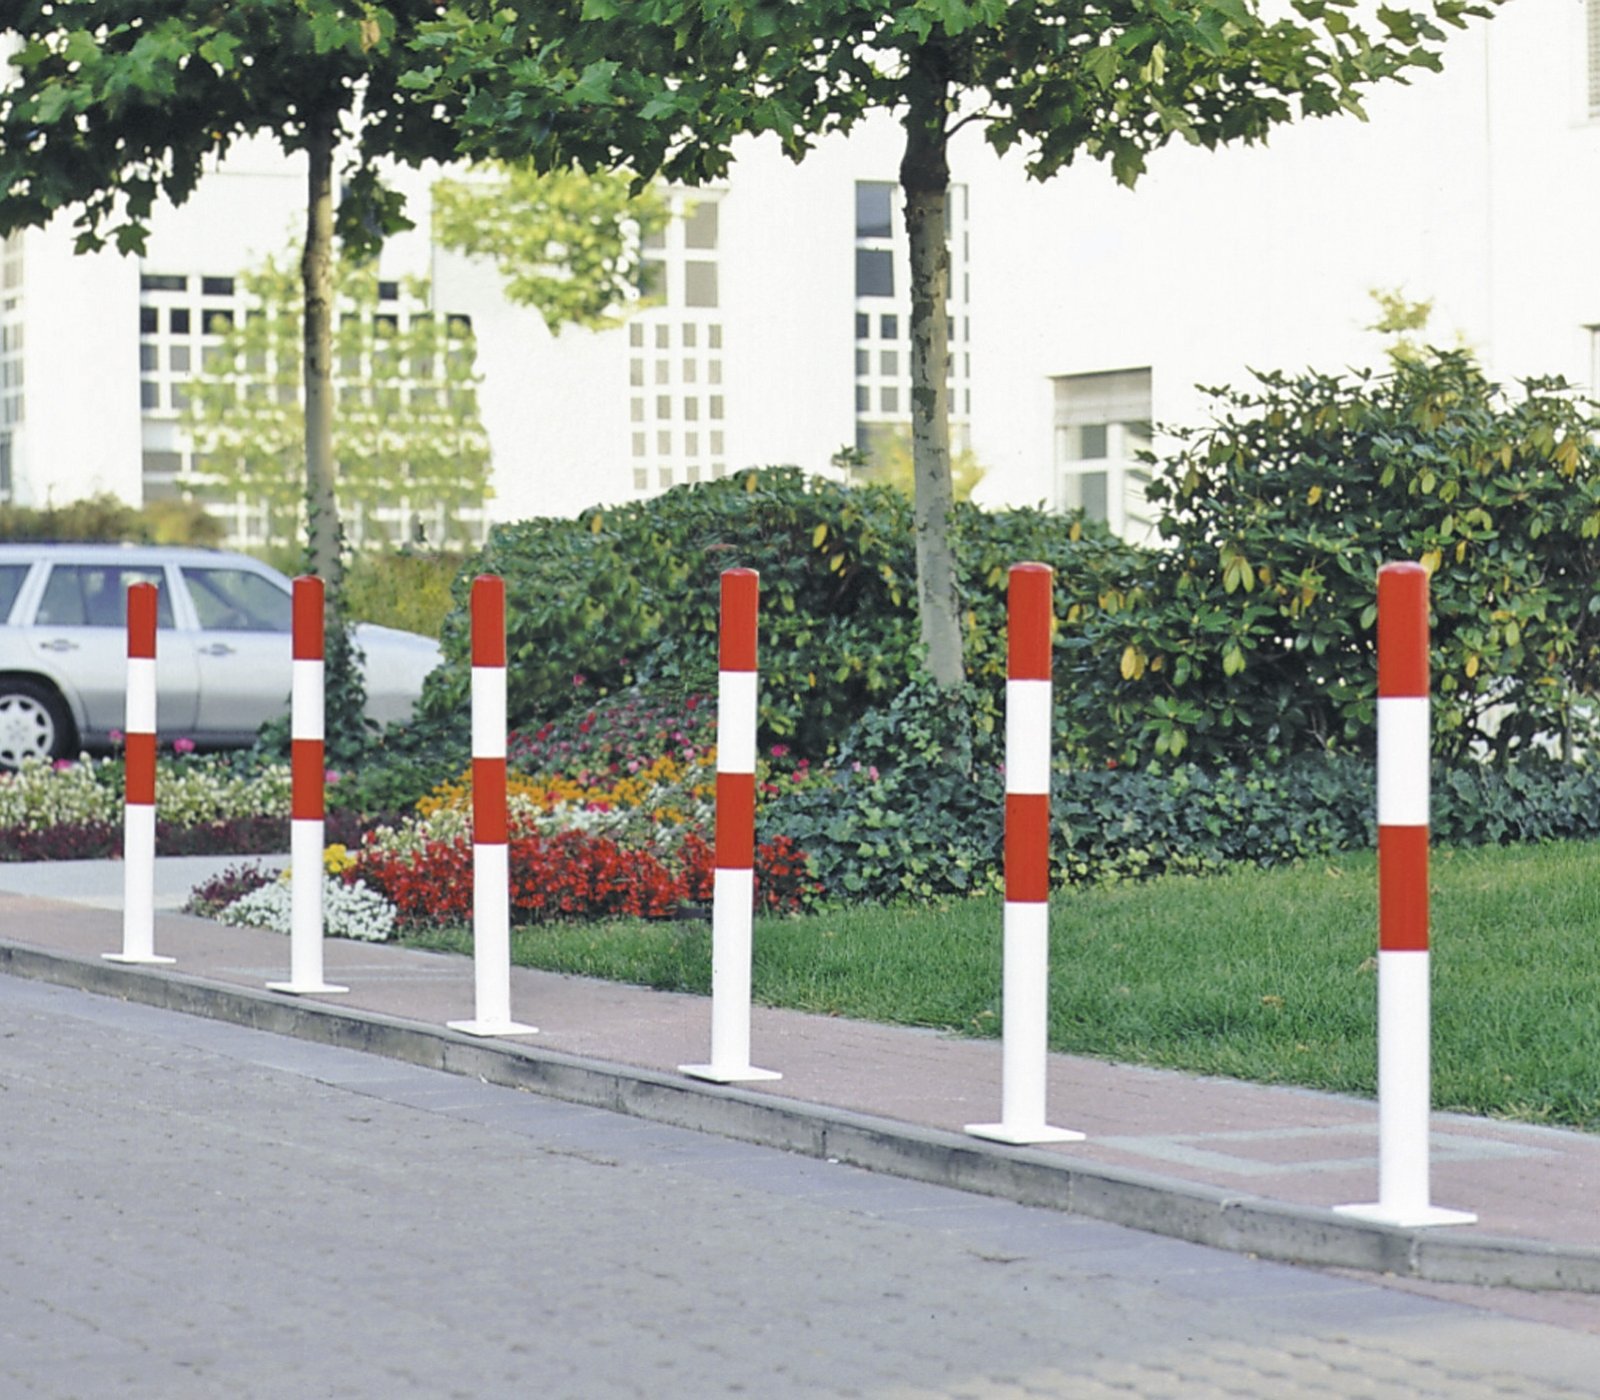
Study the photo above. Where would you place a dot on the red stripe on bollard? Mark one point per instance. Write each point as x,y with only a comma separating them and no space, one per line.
1402,630
306,791
1403,889
488,621
736,821
489,824
139,755
1027,847
740,600
1028,623
142,620
308,618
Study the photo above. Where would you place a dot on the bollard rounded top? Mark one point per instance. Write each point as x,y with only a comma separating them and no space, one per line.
1029,622
142,620
488,620
308,618
1402,631
741,602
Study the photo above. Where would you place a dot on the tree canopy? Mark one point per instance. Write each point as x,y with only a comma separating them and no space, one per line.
666,87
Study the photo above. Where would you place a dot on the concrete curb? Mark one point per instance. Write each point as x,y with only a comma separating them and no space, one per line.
1143,1201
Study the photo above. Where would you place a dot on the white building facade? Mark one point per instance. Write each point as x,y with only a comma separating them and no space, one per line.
1081,314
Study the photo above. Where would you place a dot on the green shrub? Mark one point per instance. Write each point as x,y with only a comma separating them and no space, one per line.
404,588
629,596
1255,632
104,518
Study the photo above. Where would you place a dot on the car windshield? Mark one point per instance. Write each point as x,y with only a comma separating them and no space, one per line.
96,595
236,600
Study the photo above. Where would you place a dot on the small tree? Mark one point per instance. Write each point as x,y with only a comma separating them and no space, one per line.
407,440
670,86
116,103
566,242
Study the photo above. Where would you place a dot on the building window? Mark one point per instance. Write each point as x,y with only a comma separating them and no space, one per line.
874,209
699,284
216,286
700,224
1102,424
1592,14
874,273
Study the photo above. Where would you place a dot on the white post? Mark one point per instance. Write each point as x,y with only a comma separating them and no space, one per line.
491,872
733,888
139,802
1404,1026
1025,978
307,794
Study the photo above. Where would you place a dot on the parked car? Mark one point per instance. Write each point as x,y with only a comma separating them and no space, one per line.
222,647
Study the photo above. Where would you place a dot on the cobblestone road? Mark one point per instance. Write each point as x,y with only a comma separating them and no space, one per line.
192,1209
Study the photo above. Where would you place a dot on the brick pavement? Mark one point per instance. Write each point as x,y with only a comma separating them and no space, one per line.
195,1209
1303,1150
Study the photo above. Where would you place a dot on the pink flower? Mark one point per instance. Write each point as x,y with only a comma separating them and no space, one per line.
779,750
579,679
61,765
873,774
332,775
116,736
183,745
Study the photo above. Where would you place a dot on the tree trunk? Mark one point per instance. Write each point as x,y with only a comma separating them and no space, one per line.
316,272
925,178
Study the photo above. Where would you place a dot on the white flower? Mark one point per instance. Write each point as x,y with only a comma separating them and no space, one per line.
348,911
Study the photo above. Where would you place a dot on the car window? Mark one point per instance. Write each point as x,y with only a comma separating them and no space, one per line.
236,600
11,576
96,595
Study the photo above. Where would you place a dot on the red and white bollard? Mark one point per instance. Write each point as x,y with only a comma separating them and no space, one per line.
1404,1081
733,890
306,794
1025,979
491,867
139,802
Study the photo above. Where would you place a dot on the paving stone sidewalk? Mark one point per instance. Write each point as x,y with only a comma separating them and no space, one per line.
1278,1158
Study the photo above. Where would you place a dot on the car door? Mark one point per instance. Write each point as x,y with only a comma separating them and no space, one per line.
241,649
79,637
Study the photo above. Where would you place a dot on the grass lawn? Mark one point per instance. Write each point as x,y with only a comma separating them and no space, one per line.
1265,975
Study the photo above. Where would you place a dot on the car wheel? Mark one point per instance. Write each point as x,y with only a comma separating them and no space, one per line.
34,723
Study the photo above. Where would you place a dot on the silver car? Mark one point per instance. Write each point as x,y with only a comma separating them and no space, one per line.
222,648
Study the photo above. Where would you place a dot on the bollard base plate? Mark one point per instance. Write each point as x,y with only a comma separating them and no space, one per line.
1414,1216
720,1074
137,958
1022,1136
305,989
492,1028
